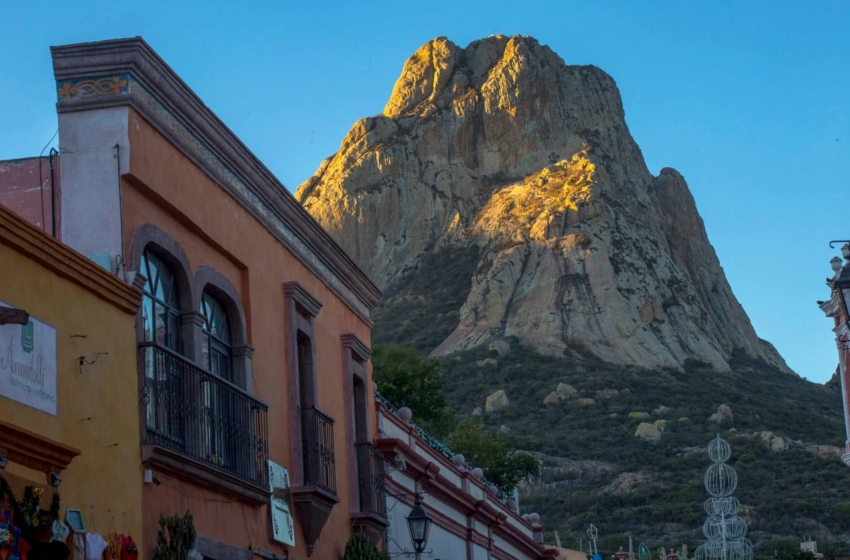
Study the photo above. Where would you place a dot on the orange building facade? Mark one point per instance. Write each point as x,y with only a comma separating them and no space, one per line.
253,333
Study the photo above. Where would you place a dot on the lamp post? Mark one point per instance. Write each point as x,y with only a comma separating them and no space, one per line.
419,525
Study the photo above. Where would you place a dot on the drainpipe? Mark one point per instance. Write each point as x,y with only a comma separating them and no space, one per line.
53,152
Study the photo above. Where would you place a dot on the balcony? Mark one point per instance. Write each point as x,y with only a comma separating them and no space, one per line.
371,469
316,497
203,421
371,514
318,449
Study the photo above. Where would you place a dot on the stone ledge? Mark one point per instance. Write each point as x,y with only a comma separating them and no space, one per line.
201,473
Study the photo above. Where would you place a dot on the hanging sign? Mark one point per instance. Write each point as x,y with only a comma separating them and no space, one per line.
28,364
283,528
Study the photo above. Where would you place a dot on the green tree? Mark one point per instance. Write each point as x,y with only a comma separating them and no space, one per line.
406,378
493,452
831,551
359,548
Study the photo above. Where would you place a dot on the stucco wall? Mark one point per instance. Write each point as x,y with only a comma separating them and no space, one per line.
97,412
166,189
27,192
90,199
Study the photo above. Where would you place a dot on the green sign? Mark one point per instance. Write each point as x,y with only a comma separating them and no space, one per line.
27,337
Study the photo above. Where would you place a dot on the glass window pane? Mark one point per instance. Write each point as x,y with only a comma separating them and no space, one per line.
153,279
221,365
147,318
160,324
205,351
173,330
224,328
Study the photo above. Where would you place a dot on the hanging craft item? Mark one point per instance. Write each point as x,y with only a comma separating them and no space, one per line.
128,548
27,512
10,535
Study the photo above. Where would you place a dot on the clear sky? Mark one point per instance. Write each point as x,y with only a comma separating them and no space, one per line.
749,100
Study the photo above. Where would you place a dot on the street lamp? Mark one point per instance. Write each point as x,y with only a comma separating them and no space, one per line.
621,554
419,524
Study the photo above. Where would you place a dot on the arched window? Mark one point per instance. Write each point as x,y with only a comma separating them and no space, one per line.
160,303
216,341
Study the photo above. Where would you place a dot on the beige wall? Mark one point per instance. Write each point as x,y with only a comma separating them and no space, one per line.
98,411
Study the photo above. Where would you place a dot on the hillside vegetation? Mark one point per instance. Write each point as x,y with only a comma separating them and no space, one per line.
595,470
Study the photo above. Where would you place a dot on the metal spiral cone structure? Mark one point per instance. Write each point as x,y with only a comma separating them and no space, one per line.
725,531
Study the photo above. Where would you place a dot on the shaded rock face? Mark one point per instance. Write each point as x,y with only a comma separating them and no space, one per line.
503,146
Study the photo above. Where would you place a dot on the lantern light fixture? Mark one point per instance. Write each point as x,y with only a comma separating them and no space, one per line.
419,525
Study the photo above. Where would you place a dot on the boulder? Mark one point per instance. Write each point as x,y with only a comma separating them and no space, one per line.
477,411
497,401
607,393
661,411
504,429
660,424
684,420
639,415
585,402
723,413
501,347
647,432
551,398
774,442
565,391
487,362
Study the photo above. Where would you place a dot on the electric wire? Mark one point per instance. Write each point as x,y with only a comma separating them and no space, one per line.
41,180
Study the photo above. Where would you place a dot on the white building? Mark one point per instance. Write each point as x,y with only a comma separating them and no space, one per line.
469,521
834,309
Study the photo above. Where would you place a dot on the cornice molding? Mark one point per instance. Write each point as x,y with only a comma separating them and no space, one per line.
203,474
357,346
830,307
57,257
295,291
33,450
127,72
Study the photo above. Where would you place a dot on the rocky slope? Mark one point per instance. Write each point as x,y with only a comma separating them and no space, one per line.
504,148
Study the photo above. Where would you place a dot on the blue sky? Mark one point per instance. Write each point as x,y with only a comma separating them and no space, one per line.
749,100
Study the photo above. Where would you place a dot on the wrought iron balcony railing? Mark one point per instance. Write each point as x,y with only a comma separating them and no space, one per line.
371,469
199,415
317,439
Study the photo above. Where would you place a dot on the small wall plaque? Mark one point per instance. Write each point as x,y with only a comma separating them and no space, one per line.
74,520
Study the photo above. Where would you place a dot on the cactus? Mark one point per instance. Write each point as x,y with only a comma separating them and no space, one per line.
176,537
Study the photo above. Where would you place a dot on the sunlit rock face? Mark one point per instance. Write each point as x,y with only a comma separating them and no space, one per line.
504,146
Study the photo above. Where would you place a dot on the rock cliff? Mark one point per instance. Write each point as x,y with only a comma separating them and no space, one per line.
504,147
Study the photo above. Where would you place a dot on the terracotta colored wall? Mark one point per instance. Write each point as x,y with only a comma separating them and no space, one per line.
104,476
213,229
21,193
